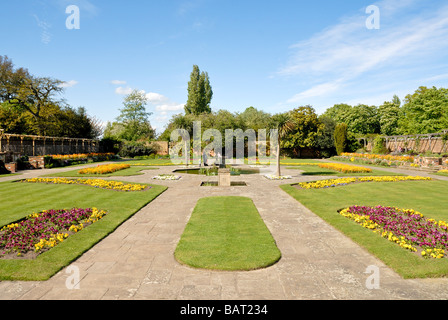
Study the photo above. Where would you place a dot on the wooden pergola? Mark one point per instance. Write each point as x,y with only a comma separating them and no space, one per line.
427,142
49,143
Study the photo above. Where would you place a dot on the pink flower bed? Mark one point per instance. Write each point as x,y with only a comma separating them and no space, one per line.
44,230
406,227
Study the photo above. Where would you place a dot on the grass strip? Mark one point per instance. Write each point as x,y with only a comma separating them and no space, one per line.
22,199
132,171
227,233
428,197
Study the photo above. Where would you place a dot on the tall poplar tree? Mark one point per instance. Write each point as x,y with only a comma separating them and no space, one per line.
200,93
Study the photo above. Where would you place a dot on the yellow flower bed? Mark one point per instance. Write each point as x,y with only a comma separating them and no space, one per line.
379,156
151,164
54,240
79,156
104,169
443,171
345,168
345,181
97,183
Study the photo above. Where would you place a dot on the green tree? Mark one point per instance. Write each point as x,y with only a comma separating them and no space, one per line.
339,113
284,124
11,79
200,93
13,120
75,123
363,119
425,111
31,105
389,115
340,138
306,129
133,123
325,136
253,118
37,96
184,123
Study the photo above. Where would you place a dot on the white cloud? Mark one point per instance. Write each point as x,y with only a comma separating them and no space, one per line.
123,91
170,107
161,119
156,98
316,91
68,84
118,82
348,53
45,27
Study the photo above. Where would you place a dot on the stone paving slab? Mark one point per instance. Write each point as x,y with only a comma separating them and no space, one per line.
137,261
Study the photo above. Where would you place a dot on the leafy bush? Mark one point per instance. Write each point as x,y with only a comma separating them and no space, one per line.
3,169
130,149
340,138
379,146
110,145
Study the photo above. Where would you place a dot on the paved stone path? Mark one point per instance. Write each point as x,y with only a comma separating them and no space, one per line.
137,262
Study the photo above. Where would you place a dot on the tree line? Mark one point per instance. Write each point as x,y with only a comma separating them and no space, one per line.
32,105
335,131
424,111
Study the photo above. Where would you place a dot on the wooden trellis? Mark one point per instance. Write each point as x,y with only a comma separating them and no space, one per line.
28,145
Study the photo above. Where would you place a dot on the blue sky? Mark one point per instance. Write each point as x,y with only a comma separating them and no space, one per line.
273,55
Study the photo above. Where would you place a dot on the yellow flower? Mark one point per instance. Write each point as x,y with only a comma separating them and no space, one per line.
97,183
104,169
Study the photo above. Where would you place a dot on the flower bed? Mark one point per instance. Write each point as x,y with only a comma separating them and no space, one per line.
72,159
345,181
406,227
345,168
152,164
84,156
97,183
166,177
104,169
275,177
379,156
42,231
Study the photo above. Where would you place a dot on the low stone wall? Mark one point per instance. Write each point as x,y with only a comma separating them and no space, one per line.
11,167
37,162
420,143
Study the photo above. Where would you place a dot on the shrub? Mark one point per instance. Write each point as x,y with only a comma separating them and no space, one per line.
3,169
340,138
379,146
110,145
129,149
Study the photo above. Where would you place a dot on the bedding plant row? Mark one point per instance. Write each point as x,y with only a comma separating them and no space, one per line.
42,231
96,183
104,169
406,227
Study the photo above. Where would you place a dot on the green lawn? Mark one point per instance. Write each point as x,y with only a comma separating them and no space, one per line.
132,171
150,162
317,171
9,175
21,199
298,161
428,197
443,174
227,233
